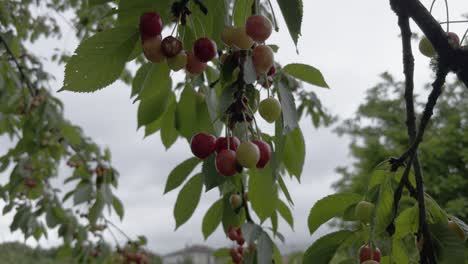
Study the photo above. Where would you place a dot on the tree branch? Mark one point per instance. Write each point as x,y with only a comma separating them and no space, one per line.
245,204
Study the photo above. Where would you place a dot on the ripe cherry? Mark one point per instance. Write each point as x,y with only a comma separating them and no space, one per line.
222,143
152,49
365,254
248,154
235,200
426,48
263,59
240,250
265,153
272,71
454,40
233,233
171,46
194,66
456,229
30,183
151,25
270,109
235,256
364,211
259,28
240,240
240,39
177,62
203,145
204,49
226,163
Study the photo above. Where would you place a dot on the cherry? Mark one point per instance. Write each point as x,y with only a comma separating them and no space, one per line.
240,250
235,200
364,211
233,233
270,109
222,143
240,240
226,163
151,25
240,39
152,49
204,49
272,71
177,62
235,256
259,28
454,40
426,48
203,145
457,229
263,59
30,183
194,66
227,35
265,153
248,154
171,46
365,253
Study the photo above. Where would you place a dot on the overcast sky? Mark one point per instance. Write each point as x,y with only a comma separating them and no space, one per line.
351,42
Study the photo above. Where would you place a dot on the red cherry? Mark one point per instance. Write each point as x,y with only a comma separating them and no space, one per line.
365,253
226,163
222,143
30,183
259,28
454,40
265,153
204,49
203,145
194,66
235,256
240,241
240,250
171,46
150,25
232,233
272,71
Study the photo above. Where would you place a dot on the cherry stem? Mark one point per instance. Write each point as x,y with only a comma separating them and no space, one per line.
274,16
464,36
245,204
447,14
432,6
194,29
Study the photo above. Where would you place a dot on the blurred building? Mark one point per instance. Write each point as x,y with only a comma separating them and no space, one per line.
191,255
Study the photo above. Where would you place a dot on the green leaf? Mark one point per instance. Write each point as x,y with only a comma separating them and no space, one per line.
98,2
99,60
140,78
285,212
82,194
242,10
285,190
212,218
154,94
169,132
384,206
288,108
129,11
406,223
294,153
96,210
292,12
264,248
71,134
306,73
323,249
180,173
211,177
331,206
399,252
192,114
449,247
118,207
188,199
263,192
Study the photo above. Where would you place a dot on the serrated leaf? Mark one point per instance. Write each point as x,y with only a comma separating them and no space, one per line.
450,248
306,73
99,60
129,11
212,218
263,192
294,153
264,248
285,212
285,190
118,207
331,206
187,200
169,132
292,12
96,210
139,80
406,223
323,249
180,173
288,108
384,206
82,194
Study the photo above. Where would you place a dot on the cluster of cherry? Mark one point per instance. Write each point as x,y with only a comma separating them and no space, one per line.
426,48
231,155
237,253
